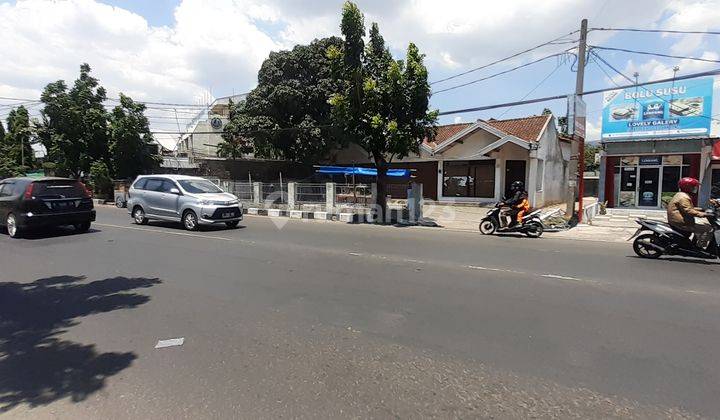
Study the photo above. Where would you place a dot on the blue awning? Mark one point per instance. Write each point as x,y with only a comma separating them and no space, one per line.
350,170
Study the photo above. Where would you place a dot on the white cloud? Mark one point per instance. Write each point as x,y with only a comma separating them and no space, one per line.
213,45
592,129
696,16
655,69
217,46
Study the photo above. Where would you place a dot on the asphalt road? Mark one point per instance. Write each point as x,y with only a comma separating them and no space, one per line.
308,319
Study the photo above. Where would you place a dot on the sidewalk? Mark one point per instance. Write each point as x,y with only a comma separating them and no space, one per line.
466,218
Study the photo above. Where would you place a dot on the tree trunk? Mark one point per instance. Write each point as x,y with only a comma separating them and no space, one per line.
381,199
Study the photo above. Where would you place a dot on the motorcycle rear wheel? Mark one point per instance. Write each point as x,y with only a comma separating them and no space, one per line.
534,230
641,248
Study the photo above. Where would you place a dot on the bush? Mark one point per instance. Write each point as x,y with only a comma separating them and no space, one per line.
100,179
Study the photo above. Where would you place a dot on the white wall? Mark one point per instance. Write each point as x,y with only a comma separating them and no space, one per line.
551,152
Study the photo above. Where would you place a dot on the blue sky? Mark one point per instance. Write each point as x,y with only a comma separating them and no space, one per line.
189,51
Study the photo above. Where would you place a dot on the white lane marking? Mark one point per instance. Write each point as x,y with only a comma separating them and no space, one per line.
696,292
355,254
503,270
475,267
164,231
556,276
170,342
413,261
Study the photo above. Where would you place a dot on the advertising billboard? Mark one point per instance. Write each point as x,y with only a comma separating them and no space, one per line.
673,109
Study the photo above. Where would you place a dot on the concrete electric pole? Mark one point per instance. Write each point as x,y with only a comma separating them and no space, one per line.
577,158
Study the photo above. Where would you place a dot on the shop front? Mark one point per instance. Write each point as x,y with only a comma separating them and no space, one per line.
646,181
652,136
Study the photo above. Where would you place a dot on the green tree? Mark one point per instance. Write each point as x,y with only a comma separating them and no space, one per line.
74,127
590,151
383,106
131,143
100,178
16,153
235,134
287,116
563,125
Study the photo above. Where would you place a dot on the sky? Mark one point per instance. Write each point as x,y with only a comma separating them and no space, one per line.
190,51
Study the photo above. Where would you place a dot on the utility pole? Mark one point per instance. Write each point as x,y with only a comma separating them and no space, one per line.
577,167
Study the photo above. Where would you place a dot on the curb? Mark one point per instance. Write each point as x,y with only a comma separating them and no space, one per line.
351,218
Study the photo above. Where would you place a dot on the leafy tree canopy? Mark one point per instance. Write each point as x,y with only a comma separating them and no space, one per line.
383,105
74,123
131,143
287,116
16,153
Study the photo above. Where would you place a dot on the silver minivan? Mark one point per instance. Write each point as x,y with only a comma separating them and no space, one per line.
194,201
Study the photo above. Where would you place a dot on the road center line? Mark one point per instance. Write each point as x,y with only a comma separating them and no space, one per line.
559,277
503,270
164,232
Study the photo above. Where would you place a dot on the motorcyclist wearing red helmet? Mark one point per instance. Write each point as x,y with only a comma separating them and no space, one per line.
681,213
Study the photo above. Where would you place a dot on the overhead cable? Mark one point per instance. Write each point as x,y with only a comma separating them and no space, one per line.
666,31
707,60
505,59
502,72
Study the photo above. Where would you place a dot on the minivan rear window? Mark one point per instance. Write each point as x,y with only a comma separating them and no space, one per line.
58,189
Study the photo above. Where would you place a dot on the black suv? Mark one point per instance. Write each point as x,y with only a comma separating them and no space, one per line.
44,202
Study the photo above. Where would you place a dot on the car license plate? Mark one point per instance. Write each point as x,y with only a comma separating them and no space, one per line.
62,205
228,215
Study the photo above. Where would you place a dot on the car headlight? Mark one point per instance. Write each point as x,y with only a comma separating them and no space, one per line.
205,202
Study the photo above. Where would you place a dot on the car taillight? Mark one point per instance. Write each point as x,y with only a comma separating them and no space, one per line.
87,193
29,190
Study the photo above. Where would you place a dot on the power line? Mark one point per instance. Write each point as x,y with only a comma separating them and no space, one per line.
502,72
504,59
250,132
184,105
666,31
707,60
627,78
585,93
535,88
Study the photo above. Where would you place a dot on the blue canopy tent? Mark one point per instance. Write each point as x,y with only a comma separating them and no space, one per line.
360,171
355,170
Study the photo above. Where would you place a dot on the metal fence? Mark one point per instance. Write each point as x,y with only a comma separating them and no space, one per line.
310,193
359,194
274,193
243,190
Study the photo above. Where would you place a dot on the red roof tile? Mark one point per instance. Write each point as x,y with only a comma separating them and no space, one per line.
527,128
444,132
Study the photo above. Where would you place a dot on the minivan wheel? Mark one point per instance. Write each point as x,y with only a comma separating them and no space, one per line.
82,227
12,226
139,216
190,220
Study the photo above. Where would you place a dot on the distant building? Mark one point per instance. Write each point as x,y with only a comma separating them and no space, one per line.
205,130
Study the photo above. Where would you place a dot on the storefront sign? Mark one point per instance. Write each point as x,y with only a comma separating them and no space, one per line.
673,109
650,160
676,160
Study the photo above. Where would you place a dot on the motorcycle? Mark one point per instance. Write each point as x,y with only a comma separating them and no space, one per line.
654,239
497,222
